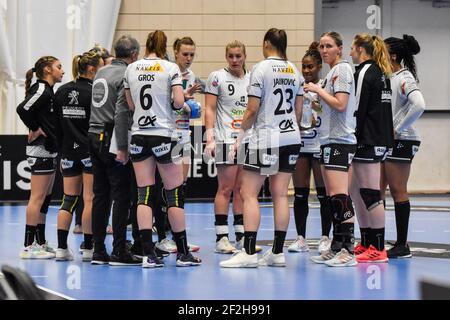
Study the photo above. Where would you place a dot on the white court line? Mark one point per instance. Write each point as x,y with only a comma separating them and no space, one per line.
56,293
39,276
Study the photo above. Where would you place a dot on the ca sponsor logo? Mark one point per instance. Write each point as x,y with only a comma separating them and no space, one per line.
286,125
146,121
161,149
134,149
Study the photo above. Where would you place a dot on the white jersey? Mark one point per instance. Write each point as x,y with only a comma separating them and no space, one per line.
402,84
182,117
339,127
231,93
310,137
150,81
277,83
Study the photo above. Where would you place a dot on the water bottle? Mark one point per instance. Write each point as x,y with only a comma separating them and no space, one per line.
307,114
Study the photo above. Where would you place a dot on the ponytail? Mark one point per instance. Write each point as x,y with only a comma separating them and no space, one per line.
376,49
75,67
38,68
157,43
81,62
278,39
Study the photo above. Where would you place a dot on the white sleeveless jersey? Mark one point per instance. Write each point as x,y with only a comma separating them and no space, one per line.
339,127
150,81
277,83
231,93
402,84
310,137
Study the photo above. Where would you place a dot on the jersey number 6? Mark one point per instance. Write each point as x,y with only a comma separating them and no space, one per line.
145,98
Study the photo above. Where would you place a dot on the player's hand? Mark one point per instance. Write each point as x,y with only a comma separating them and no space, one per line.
122,156
33,135
210,149
312,87
233,150
189,94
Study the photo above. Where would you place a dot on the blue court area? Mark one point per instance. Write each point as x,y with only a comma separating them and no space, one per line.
301,279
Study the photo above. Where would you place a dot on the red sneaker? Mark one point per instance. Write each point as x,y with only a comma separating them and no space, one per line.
372,255
359,249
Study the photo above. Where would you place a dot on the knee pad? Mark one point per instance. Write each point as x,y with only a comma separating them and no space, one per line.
69,203
371,197
146,195
175,197
342,207
45,204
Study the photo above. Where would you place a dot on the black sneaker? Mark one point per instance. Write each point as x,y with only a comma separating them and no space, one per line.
161,253
136,250
124,259
99,258
399,251
187,260
152,261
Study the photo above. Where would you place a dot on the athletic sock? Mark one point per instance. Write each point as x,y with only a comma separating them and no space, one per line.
250,242
402,212
278,241
62,238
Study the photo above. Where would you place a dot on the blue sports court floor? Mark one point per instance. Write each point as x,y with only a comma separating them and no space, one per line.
301,279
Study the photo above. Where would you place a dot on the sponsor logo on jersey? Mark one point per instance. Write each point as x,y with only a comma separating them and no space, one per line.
283,69
75,145
257,85
86,162
176,75
237,113
333,80
135,149
269,159
336,153
347,215
215,83
66,163
326,154
146,121
293,159
236,124
379,151
415,149
283,82
241,104
99,92
73,96
161,149
287,125
155,68
386,96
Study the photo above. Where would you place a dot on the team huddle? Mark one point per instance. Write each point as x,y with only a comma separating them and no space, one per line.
119,134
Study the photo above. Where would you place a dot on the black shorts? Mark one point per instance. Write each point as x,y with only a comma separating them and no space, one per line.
222,154
164,149
42,166
273,160
75,164
337,156
370,154
403,151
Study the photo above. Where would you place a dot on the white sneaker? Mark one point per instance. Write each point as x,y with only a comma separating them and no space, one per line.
323,257
299,245
324,244
241,259
35,251
239,245
224,246
48,248
272,260
87,254
342,259
64,254
167,245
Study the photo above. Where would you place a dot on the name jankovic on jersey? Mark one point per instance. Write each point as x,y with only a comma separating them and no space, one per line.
283,82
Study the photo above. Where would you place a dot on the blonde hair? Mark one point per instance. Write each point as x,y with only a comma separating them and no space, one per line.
377,49
236,44
82,61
